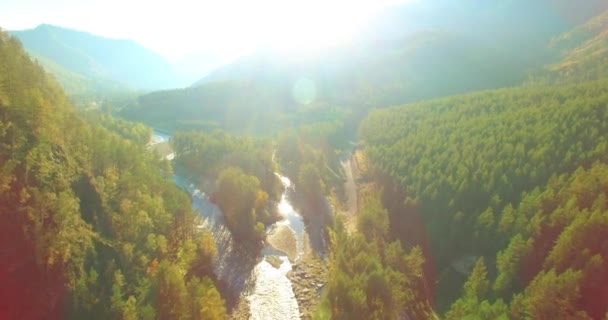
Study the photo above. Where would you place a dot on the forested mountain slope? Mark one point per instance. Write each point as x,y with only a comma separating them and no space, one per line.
91,225
467,161
554,266
230,105
76,84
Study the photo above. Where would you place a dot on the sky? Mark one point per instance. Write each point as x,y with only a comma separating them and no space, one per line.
226,29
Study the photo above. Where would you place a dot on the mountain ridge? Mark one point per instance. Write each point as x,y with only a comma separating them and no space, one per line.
106,60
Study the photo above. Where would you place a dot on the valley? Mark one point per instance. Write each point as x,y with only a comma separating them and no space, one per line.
451,162
266,286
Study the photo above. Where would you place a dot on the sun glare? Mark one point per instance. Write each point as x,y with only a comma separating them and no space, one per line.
316,25
308,27
227,28
292,27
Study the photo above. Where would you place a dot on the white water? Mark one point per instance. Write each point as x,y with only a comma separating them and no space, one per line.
158,137
292,219
272,296
266,288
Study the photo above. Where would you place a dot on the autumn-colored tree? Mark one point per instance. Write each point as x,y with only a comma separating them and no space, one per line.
86,209
242,202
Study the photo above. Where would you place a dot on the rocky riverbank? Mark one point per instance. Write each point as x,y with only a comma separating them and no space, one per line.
308,278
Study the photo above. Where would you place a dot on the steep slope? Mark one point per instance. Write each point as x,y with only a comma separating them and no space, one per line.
91,226
466,161
511,188
76,84
97,58
584,54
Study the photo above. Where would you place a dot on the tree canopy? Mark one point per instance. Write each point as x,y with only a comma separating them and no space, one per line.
91,224
476,166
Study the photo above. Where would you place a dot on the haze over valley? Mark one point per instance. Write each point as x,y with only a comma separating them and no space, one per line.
423,159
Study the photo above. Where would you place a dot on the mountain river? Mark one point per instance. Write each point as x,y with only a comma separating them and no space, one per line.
265,287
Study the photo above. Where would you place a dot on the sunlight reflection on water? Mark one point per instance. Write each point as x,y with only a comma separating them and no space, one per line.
271,296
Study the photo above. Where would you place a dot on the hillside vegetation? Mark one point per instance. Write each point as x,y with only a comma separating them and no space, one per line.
91,225
508,185
476,166
483,194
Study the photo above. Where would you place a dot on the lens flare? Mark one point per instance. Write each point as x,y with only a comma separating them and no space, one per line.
304,91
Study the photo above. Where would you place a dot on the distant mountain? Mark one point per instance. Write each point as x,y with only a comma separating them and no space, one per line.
516,31
383,72
494,42
418,66
76,84
84,62
410,52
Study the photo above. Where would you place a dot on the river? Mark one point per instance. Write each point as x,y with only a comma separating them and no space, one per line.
265,287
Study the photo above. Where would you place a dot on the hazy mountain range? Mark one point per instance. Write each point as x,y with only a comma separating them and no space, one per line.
89,64
408,53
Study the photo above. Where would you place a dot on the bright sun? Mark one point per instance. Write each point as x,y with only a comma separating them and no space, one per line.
297,27
227,29
310,26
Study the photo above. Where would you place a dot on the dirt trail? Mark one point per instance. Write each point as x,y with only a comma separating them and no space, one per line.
350,187
351,172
